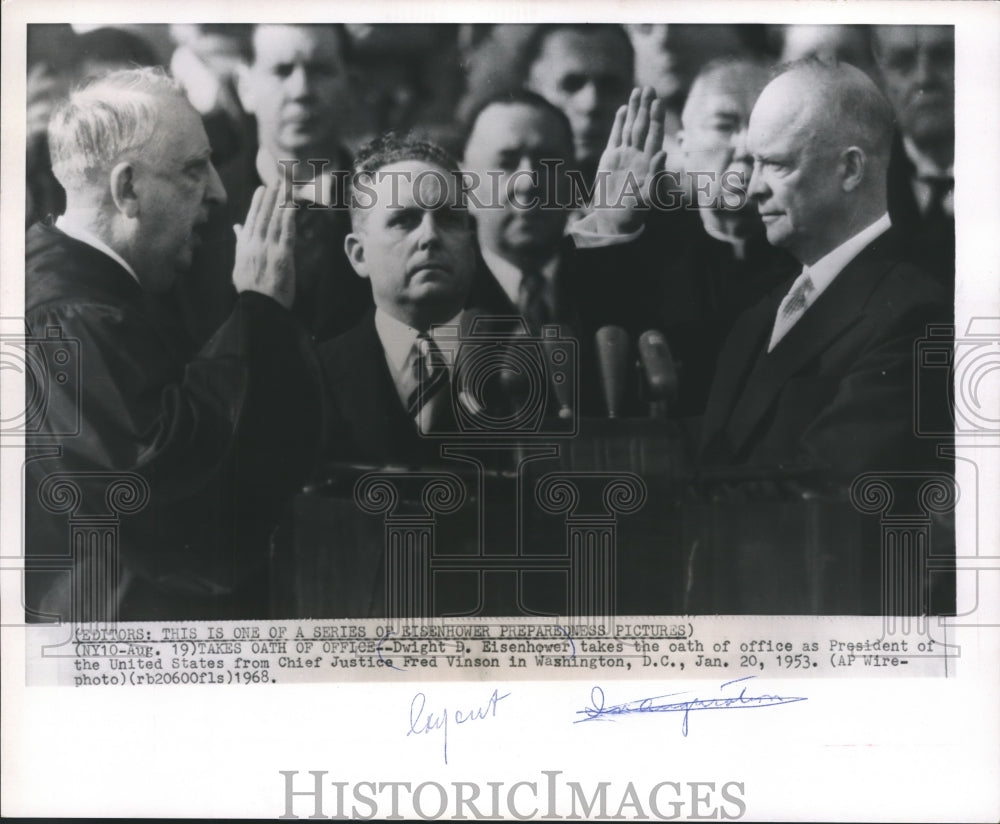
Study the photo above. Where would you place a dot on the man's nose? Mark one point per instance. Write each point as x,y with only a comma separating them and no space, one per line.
587,98
215,193
524,180
297,84
429,232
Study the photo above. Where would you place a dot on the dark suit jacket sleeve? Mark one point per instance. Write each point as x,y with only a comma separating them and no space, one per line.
220,440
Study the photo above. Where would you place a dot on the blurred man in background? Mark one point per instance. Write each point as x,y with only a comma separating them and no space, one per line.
586,70
295,84
918,65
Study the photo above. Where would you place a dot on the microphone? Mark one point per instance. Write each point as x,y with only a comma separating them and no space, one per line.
660,369
612,360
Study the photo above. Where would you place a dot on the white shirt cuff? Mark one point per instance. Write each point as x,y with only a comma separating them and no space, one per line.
586,237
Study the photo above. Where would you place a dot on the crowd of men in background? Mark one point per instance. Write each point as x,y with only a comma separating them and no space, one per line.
222,366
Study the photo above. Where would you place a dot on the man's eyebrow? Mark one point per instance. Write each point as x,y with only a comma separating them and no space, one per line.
199,157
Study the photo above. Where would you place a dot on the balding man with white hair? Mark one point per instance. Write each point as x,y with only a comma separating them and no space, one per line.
218,440
821,373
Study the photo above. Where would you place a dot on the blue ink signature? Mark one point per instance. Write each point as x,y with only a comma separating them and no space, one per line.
422,724
378,649
599,711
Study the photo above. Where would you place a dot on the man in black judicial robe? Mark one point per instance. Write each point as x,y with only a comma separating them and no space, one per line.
189,461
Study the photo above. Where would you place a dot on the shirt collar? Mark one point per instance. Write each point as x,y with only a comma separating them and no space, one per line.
73,229
509,276
738,244
398,338
923,165
824,270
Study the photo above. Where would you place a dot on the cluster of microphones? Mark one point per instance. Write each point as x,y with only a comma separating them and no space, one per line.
656,366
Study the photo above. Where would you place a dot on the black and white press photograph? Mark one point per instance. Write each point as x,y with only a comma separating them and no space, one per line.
361,320
458,410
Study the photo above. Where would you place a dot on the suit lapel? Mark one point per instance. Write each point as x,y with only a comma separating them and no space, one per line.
371,404
840,307
487,296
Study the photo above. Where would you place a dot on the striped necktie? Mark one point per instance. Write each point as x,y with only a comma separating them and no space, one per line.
792,307
430,374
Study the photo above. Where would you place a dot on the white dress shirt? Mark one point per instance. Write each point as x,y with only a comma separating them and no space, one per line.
68,226
398,342
823,272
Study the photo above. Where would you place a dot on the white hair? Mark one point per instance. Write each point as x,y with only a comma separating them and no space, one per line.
102,122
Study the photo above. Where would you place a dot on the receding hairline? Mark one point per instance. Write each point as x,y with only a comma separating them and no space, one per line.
840,97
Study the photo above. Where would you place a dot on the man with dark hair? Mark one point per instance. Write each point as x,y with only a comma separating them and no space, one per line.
586,70
197,454
412,240
296,86
516,156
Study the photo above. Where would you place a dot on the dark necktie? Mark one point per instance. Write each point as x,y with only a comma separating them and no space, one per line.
940,188
531,300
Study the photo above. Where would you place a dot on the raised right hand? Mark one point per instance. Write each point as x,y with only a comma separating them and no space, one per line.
627,169
265,248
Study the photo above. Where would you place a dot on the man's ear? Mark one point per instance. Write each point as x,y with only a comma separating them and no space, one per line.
123,189
855,166
354,248
245,89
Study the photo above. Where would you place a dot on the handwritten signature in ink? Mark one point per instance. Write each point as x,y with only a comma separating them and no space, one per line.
424,721
599,710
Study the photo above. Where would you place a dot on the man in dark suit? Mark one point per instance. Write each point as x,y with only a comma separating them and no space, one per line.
218,441
821,373
515,163
388,378
515,159
918,65
295,84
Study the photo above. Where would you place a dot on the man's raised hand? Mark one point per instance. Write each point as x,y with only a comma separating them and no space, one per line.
628,167
265,248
